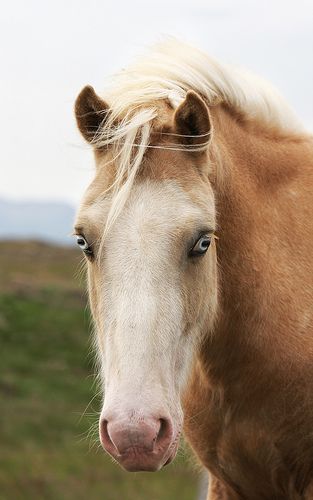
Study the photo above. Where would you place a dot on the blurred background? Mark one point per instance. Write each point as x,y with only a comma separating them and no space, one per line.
49,51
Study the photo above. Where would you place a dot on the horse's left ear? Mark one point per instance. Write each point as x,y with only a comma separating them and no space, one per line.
192,120
90,112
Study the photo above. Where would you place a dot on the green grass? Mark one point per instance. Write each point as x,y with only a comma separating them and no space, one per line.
47,381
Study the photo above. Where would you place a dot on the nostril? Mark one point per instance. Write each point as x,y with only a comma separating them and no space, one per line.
104,429
163,428
165,431
105,437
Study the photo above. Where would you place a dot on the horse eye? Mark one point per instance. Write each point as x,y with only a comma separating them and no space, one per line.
83,244
200,246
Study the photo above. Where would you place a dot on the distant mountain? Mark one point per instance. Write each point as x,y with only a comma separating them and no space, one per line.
47,221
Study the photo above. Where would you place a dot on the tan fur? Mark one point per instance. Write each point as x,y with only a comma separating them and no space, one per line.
248,406
255,407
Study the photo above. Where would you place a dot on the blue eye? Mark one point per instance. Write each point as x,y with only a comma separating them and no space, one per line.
83,244
201,246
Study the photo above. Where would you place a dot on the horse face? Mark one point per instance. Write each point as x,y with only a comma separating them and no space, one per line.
152,286
152,277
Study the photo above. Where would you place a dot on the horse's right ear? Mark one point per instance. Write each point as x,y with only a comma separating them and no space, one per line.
90,112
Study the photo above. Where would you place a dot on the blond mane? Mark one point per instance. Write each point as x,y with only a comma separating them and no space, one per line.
168,71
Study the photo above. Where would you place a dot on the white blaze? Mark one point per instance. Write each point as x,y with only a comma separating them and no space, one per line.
145,350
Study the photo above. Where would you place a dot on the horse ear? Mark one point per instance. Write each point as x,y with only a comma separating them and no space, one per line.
90,112
192,120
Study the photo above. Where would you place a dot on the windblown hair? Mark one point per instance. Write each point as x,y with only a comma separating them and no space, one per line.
168,71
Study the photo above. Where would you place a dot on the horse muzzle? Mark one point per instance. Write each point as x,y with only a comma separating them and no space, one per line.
139,444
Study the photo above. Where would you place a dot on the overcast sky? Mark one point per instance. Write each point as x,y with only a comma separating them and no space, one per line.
50,49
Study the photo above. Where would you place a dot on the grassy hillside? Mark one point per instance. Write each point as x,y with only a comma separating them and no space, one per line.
46,382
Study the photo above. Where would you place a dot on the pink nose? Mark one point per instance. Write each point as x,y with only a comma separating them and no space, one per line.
141,445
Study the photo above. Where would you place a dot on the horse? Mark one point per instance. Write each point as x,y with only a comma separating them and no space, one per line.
197,234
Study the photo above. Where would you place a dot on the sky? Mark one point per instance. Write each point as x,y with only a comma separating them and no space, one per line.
51,49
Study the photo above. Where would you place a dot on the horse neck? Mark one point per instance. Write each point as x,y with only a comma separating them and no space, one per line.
251,169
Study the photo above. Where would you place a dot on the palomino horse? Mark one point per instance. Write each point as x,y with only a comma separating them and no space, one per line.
198,232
